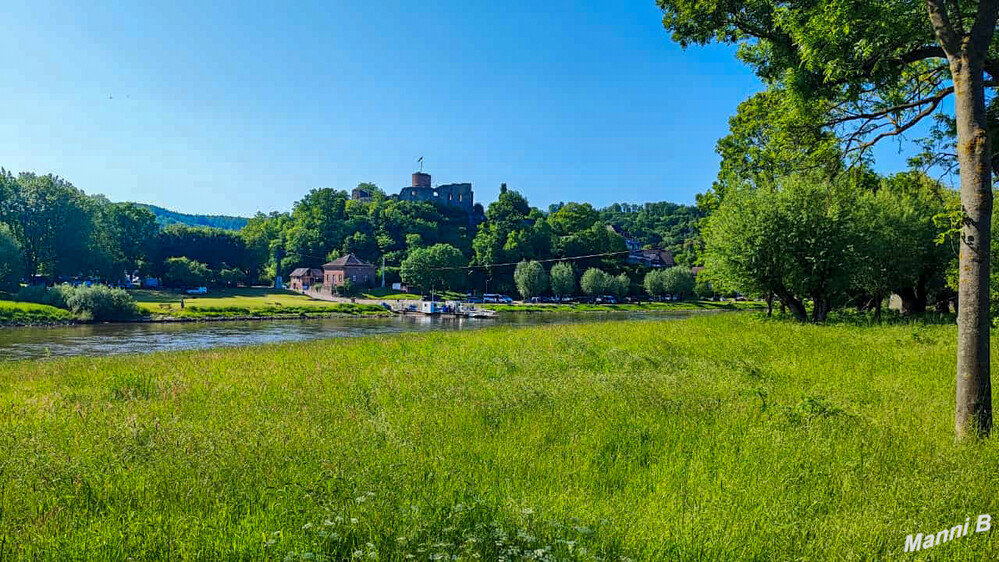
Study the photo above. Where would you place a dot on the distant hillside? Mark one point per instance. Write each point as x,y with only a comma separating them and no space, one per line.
166,217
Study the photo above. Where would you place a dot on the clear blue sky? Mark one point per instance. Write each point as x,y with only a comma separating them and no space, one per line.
230,108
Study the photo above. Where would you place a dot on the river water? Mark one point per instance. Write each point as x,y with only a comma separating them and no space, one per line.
111,339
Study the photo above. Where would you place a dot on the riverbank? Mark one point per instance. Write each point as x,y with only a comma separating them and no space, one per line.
275,304
222,305
195,313
718,437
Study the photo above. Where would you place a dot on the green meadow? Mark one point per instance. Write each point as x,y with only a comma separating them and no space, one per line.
720,437
635,307
30,313
244,303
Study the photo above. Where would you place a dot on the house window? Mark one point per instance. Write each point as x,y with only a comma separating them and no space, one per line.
353,278
450,197
413,193
459,197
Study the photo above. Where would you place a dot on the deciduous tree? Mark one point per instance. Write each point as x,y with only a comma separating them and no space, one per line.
563,279
877,69
678,281
11,264
439,267
595,282
531,279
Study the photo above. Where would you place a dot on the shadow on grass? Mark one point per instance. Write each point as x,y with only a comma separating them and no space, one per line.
852,317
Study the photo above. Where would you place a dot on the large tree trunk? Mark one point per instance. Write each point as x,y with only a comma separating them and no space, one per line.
913,299
820,308
973,413
796,306
966,52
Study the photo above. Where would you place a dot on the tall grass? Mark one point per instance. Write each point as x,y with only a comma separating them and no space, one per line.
30,313
643,306
714,438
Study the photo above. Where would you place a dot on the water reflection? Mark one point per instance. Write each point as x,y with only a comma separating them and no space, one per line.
109,339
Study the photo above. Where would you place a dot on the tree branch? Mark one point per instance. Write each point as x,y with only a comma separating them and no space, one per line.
983,29
905,126
942,28
922,53
933,100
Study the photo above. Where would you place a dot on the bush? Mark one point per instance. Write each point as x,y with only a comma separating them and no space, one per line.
99,302
348,288
231,277
39,294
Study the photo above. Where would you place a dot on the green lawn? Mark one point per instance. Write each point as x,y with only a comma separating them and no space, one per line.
29,313
245,297
721,437
387,294
242,302
652,306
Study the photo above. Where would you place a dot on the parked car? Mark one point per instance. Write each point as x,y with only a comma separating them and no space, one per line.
606,299
198,291
496,298
540,300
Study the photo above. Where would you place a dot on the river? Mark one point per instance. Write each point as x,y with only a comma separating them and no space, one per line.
112,339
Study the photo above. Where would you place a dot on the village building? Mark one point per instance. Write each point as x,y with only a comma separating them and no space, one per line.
652,257
630,243
655,258
349,267
305,278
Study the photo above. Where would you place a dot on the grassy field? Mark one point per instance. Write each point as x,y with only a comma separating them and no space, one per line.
650,306
387,294
29,313
722,437
242,303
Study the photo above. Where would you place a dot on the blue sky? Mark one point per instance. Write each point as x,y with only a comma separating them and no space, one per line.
234,107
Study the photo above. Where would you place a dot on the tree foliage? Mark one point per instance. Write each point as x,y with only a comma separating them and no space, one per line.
808,238
531,279
792,240
439,267
185,273
563,279
11,262
596,282
678,281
